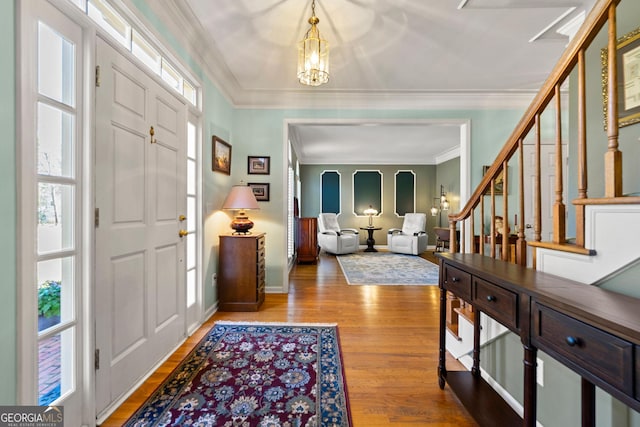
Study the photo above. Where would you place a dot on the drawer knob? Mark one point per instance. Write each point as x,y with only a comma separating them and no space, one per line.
572,341
455,279
491,298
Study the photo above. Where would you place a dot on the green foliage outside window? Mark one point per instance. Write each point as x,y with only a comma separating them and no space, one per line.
49,298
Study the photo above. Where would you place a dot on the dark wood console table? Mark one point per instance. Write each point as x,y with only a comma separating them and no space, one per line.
594,332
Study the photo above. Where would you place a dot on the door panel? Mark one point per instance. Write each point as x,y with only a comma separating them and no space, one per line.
167,276
547,190
140,191
128,295
128,173
166,189
128,94
166,117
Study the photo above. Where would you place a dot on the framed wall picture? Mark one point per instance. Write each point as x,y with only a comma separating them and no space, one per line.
628,64
260,190
259,165
498,183
221,154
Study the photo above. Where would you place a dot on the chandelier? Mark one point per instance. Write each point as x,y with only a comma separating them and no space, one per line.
313,54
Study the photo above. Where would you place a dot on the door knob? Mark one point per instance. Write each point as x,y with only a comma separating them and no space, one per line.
182,218
182,233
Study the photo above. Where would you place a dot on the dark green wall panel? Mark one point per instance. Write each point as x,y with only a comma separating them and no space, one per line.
405,192
330,192
367,190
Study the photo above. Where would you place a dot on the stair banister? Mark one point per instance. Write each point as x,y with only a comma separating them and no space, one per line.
602,12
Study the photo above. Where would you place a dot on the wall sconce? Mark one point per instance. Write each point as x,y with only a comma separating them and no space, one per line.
440,204
370,212
241,198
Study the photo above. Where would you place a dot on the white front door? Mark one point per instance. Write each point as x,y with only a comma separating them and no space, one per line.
140,188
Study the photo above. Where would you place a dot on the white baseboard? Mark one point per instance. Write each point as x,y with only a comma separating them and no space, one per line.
106,413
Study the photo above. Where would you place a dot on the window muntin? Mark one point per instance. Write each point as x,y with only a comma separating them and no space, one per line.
56,76
111,21
143,50
55,142
55,278
57,243
171,76
55,366
123,32
56,220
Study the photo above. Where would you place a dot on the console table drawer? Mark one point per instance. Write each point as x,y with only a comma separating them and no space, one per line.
637,368
584,348
458,282
497,302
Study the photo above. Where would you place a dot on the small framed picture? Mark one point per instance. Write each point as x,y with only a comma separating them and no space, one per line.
627,55
259,165
498,183
221,155
260,190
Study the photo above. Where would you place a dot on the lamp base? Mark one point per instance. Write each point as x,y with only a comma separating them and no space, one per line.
242,224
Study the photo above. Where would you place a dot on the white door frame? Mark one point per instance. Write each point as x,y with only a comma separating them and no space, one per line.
28,14
464,151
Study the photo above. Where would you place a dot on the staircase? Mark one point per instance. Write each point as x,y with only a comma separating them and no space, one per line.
585,240
594,240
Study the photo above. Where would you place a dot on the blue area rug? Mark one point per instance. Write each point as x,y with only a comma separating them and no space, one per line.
386,268
254,374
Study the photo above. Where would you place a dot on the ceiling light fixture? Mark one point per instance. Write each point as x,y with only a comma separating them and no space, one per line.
313,54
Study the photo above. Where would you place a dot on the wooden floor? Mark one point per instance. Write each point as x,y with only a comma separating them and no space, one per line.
389,340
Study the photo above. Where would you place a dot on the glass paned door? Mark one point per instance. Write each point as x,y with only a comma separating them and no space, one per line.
57,214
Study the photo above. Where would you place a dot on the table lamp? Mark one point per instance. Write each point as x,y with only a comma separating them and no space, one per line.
370,212
241,198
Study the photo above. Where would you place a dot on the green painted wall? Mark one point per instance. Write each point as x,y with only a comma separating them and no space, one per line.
8,185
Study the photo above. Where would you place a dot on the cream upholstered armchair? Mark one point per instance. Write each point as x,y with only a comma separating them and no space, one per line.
412,238
333,239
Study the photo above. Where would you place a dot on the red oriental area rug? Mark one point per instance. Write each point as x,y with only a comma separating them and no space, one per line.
254,374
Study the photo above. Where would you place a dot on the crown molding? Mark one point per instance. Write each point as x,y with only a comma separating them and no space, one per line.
184,26
319,99
451,154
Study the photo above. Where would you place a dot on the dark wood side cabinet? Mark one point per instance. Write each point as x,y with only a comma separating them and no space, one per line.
307,239
594,332
241,272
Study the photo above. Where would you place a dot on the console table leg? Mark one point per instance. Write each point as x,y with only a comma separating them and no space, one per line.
588,404
475,369
442,368
530,385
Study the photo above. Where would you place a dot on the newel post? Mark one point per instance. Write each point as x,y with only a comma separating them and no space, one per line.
453,242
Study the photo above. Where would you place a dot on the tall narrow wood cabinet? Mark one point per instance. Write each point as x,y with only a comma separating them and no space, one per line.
241,273
307,240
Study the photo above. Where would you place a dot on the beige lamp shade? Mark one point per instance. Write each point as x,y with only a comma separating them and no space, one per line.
241,198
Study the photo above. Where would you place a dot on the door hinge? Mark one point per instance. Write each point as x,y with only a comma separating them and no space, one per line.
97,359
96,217
97,76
